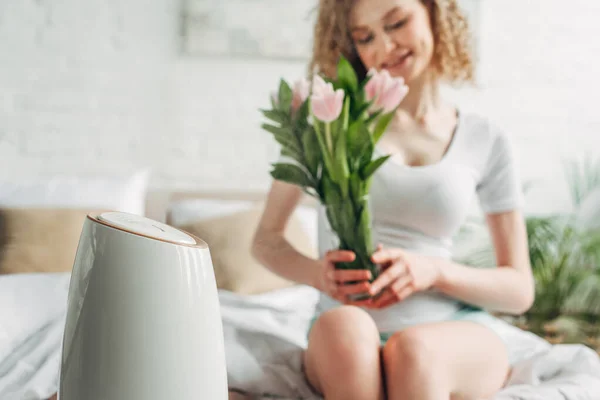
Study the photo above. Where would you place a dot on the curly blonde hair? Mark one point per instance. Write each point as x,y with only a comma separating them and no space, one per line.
453,58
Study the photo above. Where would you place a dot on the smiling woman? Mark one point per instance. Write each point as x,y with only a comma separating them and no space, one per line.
425,333
427,32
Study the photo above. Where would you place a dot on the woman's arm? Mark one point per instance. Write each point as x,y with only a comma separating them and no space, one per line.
269,245
508,288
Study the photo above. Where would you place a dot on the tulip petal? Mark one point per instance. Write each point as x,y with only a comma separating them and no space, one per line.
372,87
393,95
320,86
300,93
319,108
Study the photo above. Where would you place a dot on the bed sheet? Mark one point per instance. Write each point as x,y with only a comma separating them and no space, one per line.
264,339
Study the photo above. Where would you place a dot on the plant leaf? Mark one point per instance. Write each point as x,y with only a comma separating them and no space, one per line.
373,116
367,154
312,154
301,119
286,151
285,95
373,166
583,177
332,201
276,116
356,186
359,110
291,173
341,163
381,126
346,74
359,145
284,137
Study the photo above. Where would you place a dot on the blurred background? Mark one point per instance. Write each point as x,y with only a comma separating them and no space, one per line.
102,86
105,87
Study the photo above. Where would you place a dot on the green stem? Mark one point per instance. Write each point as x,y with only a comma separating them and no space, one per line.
328,137
324,151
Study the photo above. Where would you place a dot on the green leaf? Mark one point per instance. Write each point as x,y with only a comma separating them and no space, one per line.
347,75
312,154
345,114
286,151
360,110
276,130
332,201
341,163
359,139
364,82
373,117
285,95
301,119
381,126
583,177
284,137
276,115
291,173
328,162
366,155
373,166
364,227
356,186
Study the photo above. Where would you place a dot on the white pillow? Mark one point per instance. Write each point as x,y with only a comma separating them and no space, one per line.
124,193
184,212
187,211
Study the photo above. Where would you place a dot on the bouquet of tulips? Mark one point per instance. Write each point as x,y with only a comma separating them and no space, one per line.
328,129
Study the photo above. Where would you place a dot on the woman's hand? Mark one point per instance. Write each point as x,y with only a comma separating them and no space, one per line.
404,274
336,282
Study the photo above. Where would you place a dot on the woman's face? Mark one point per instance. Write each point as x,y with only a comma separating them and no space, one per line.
393,34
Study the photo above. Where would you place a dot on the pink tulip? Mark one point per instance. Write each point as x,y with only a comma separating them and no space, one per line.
320,86
326,104
385,91
300,93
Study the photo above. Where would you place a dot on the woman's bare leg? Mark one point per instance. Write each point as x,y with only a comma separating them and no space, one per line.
458,359
343,356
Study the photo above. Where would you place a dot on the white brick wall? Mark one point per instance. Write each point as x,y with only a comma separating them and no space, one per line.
84,84
99,86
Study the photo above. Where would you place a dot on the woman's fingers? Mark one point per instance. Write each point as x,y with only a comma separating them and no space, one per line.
355,288
399,291
386,255
387,277
335,256
350,275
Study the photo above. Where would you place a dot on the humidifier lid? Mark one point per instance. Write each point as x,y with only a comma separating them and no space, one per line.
146,227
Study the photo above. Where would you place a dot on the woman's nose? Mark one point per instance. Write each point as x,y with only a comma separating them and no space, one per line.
387,44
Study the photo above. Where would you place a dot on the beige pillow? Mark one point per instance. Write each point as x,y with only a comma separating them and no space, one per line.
230,238
39,239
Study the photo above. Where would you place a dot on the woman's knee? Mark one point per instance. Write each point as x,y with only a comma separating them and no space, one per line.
344,336
411,351
343,347
346,323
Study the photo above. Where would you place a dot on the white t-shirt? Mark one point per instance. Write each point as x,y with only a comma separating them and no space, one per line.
420,209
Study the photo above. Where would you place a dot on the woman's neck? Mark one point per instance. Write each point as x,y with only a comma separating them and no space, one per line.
422,98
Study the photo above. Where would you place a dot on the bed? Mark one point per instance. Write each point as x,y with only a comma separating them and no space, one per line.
265,323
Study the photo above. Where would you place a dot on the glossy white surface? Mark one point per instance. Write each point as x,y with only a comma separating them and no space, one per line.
145,226
143,321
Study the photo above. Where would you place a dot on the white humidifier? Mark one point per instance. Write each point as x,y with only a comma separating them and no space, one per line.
143,319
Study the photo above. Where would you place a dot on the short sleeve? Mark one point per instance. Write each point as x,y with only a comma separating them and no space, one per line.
499,188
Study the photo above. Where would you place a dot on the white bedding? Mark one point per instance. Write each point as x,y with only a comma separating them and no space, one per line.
264,337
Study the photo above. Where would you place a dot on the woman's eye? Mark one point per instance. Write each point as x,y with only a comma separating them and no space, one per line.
398,24
364,40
